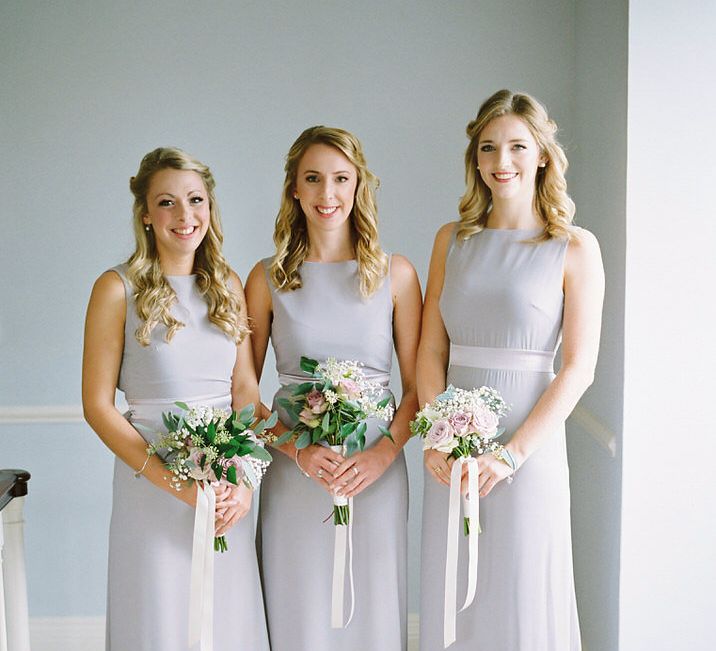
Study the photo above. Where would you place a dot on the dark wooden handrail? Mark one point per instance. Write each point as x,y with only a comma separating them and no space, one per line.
13,483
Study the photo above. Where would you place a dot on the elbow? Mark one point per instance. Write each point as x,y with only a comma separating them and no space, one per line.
581,376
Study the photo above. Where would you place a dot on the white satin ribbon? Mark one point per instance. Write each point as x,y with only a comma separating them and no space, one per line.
201,597
343,535
472,511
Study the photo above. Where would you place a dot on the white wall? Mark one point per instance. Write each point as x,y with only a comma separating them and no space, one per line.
89,87
668,576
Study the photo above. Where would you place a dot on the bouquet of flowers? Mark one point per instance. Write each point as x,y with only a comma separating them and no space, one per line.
460,422
213,445
332,408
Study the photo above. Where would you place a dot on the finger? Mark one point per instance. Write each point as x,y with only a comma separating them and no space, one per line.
489,485
360,486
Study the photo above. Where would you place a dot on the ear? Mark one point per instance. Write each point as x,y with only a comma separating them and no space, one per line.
543,160
146,219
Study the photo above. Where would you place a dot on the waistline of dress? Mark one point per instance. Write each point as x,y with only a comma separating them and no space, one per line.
140,406
504,359
286,379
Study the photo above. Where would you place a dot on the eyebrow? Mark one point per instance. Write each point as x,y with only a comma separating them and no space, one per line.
513,140
317,172
169,194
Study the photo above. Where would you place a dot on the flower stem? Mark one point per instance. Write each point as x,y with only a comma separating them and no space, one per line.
341,515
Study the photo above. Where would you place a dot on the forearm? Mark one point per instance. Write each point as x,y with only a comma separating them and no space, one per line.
550,412
431,372
129,446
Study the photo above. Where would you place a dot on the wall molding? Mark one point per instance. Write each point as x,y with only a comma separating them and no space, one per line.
595,428
67,633
22,414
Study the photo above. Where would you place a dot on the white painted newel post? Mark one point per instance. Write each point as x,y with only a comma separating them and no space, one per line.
14,626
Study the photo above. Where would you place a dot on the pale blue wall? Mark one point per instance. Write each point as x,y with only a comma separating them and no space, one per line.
89,87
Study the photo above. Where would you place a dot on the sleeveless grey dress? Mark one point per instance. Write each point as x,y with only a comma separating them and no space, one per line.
327,317
151,531
502,293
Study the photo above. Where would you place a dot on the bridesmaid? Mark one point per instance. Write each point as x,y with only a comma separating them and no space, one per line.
170,324
330,290
506,283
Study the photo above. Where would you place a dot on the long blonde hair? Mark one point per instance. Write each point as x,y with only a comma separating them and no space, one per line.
153,295
551,201
291,233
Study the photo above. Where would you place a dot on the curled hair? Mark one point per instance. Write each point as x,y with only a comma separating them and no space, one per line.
153,295
551,202
291,232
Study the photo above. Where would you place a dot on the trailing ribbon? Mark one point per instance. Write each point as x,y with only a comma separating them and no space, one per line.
472,511
201,597
343,534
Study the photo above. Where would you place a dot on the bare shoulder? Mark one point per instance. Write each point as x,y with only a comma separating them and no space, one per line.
442,238
108,288
257,276
401,267
583,253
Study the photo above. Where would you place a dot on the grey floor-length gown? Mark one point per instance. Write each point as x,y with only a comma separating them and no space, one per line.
151,531
327,317
502,293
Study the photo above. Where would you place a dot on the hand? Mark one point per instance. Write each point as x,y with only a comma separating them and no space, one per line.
492,471
320,463
232,504
439,465
359,471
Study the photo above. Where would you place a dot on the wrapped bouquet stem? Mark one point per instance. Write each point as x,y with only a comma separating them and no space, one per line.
330,409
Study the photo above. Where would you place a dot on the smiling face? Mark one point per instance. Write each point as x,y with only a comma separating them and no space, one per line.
326,184
508,157
177,213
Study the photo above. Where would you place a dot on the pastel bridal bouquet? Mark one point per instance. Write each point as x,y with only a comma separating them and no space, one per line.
331,408
209,445
462,423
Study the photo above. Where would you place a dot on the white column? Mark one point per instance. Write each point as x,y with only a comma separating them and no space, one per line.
14,581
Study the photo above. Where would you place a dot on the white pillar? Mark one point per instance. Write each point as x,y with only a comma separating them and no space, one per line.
14,582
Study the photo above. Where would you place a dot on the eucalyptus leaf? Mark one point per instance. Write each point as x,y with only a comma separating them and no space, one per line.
246,415
272,420
182,405
261,453
302,389
383,403
386,432
304,440
284,438
285,403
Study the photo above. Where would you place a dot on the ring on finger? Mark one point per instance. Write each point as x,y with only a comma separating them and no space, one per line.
319,474
355,471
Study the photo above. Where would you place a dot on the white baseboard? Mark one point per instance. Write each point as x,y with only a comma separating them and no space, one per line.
87,633
413,631
67,633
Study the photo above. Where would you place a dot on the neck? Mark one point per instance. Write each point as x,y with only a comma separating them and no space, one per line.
513,214
172,266
330,246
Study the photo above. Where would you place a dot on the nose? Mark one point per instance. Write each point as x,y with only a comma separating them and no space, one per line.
505,158
183,210
327,189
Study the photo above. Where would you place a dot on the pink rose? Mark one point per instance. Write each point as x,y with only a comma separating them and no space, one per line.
460,423
349,389
197,457
484,421
441,436
316,401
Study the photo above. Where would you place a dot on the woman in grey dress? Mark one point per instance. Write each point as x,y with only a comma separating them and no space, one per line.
330,290
170,325
506,283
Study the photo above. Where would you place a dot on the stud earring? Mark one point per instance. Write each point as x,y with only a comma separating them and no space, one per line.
295,195
146,227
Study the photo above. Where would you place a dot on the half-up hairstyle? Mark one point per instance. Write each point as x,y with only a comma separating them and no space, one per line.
153,295
291,232
551,201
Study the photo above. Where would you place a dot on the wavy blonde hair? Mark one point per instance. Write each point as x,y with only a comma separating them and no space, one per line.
153,295
291,232
551,201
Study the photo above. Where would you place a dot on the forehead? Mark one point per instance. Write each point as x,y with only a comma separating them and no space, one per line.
324,158
173,181
505,128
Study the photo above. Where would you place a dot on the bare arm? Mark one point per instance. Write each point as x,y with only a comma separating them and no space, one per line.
102,357
583,299
372,463
434,350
